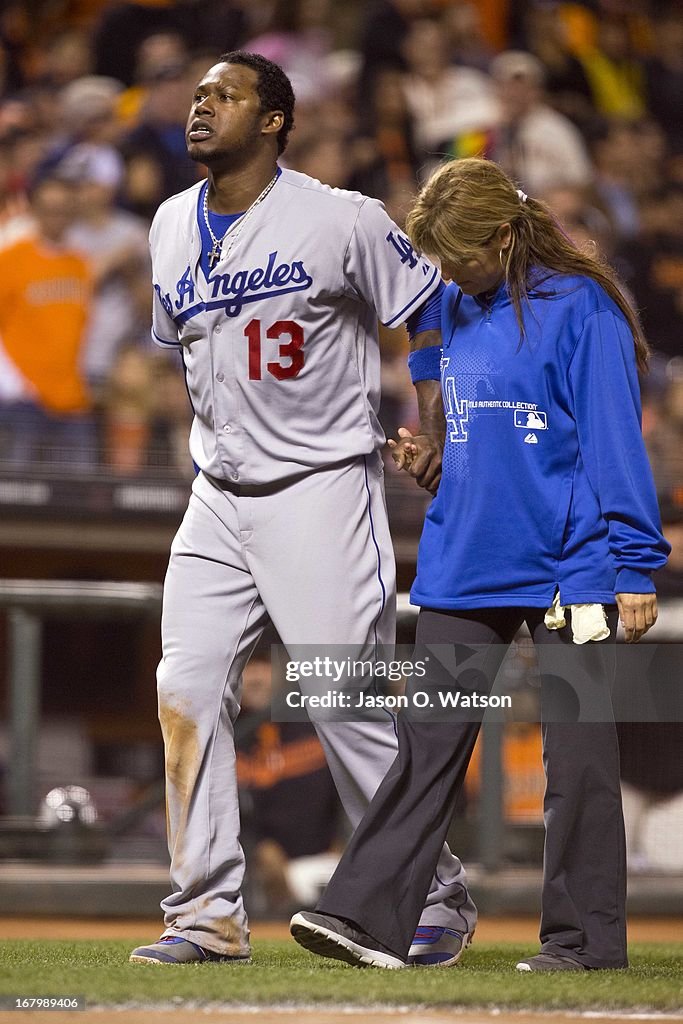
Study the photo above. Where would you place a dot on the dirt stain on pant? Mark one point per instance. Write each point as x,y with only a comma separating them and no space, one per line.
182,767
233,941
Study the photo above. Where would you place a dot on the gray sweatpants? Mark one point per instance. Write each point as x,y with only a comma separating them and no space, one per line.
314,557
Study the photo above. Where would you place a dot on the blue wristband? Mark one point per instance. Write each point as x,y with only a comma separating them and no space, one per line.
425,364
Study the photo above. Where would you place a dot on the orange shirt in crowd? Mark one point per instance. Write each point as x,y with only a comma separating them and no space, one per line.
44,302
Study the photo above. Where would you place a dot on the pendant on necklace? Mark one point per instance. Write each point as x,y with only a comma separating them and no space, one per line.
215,254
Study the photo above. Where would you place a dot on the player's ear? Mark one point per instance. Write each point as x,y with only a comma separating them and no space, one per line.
273,122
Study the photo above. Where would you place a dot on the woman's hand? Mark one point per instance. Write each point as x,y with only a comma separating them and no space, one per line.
637,613
420,455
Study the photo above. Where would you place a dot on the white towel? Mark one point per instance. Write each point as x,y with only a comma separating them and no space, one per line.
589,621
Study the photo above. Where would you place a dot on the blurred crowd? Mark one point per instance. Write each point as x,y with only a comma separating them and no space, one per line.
582,102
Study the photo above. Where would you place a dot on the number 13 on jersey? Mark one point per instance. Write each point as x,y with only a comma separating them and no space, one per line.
292,351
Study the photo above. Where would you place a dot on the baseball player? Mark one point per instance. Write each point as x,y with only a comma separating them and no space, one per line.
270,284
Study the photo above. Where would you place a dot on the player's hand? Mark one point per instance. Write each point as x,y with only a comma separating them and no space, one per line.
637,613
404,451
420,455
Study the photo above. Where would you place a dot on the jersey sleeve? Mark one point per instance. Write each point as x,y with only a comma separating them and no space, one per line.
382,268
606,399
427,317
164,330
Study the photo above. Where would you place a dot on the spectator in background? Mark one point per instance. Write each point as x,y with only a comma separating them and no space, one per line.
115,244
462,24
587,225
123,27
157,162
289,806
664,76
451,106
45,290
171,419
653,265
127,404
15,219
146,415
357,136
663,432
670,579
297,38
3,69
324,157
26,152
383,151
652,166
156,55
614,74
566,85
220,24
15,36
383,34
612,151
635,156
399,199
535,145
68,56
87,115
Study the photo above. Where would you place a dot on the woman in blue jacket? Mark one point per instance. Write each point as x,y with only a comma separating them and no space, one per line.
544,513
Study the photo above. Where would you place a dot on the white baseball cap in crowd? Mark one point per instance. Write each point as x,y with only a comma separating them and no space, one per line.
87,161
517,64
88,98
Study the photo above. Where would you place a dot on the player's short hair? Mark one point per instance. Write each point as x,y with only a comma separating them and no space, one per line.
273,87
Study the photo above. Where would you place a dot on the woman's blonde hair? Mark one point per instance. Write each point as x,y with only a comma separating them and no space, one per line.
463,204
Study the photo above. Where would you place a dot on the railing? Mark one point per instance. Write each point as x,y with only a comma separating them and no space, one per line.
27,601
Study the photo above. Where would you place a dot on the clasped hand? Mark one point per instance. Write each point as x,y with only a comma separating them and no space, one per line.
420,455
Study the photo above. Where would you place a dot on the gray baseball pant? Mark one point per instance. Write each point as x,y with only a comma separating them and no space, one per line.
314,557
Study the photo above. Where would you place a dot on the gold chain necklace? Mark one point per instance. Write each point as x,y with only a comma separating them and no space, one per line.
234,229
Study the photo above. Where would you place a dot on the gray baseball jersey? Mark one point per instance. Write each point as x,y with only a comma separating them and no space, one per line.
286,521
280,345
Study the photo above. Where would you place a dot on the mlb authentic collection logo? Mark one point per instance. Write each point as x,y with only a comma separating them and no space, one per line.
461,409
534,418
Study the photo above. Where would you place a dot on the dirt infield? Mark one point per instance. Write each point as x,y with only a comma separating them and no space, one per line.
492,929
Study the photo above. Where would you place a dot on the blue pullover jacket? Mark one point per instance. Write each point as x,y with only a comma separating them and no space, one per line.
546,482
